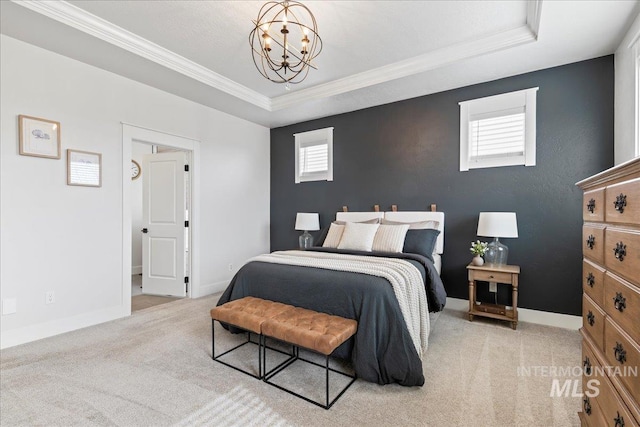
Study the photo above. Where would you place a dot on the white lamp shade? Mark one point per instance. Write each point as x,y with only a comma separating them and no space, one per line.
307,221
497,224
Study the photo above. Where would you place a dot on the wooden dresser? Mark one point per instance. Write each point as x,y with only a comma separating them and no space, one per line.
611,297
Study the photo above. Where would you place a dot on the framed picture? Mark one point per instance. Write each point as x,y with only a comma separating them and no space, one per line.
39,137
84,168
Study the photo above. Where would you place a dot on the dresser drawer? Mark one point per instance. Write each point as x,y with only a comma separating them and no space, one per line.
622,304
593,242
490,276
612,406
593,281
622,202
621,352
622,252
593,207
593,320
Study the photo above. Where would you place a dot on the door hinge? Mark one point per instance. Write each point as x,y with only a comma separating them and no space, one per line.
186,284
186,223
186,168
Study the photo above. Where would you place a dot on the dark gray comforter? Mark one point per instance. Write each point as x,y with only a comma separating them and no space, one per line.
382,350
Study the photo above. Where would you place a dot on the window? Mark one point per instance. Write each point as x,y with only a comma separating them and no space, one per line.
498,130
314,155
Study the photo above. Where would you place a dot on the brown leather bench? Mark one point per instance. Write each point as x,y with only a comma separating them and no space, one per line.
318,332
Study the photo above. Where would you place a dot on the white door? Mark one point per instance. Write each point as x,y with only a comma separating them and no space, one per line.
163,221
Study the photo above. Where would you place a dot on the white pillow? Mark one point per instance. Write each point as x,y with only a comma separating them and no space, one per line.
358,237
420,225
333,236
390,238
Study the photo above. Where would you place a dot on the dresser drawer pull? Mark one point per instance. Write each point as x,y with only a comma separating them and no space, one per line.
587,365
586,404
591,318
620,353
620,251
620,203
591,279
591,206
591,241
620,302
619,420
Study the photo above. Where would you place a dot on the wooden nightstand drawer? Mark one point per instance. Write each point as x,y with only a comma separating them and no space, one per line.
622,252
593,205
593,242
622,303
623,202
593,320
622,352
593,281
490,276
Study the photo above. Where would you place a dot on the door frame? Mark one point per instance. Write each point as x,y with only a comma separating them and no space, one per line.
132,133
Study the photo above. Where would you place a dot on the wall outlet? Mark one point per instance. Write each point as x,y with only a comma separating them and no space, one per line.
493,287
230,267
9,306
49,297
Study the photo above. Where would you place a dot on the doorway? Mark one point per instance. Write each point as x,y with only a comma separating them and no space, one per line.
150,151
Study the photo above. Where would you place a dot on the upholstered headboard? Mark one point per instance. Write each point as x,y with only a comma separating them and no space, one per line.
404,216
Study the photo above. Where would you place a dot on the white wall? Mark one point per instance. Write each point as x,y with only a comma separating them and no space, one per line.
625,142
138,150
69,239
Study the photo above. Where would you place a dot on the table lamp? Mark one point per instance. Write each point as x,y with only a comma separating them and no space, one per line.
307,222
496,225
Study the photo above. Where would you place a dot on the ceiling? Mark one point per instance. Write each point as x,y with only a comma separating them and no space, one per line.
374,52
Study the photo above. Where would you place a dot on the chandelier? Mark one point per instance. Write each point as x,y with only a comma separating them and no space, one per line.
284,41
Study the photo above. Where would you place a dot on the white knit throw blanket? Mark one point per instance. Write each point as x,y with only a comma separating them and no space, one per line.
404,277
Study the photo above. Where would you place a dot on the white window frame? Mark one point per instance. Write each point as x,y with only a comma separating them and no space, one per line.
489,106
309,139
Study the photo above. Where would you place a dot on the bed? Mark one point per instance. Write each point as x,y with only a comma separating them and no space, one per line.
393,321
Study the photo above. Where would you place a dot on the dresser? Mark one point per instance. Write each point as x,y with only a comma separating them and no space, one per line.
611,297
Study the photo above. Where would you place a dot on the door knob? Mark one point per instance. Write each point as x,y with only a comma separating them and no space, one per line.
144,230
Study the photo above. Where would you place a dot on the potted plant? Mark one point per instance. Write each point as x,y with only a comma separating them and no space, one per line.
478,249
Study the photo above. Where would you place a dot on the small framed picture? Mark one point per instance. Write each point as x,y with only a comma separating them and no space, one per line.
39,137
84,168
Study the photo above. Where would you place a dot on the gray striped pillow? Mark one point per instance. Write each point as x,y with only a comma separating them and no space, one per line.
390,238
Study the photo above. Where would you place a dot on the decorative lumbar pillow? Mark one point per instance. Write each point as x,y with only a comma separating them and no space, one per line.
420,225
333,236
358,237
369,221
390,238
421,242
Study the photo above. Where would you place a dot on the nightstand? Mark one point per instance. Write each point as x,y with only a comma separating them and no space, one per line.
506,274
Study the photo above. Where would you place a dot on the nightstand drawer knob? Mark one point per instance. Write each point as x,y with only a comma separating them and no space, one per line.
586,404
491,277
587,365
620,353
619,302
591,279
620,251
620,203
591,318
619,420
591,241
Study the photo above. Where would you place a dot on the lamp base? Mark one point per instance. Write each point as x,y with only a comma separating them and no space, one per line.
496,253
305,240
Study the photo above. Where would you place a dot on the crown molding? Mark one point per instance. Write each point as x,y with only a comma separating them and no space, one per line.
429,61
78,18
95,26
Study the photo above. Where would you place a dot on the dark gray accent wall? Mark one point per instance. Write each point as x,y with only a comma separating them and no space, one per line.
407,153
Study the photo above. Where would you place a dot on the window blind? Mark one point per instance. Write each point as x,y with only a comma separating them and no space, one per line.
497,136
314,158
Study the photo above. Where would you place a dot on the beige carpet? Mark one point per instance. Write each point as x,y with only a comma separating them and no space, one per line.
154,369
140,302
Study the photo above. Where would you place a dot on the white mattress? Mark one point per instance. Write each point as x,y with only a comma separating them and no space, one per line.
437,261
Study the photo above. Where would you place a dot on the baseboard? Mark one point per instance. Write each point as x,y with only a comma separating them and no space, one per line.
39,331
212,288
136,269
558,320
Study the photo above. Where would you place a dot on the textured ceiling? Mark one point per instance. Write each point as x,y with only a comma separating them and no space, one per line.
374,52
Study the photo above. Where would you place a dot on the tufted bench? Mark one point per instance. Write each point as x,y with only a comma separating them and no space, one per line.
318,332
299,327
246,313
